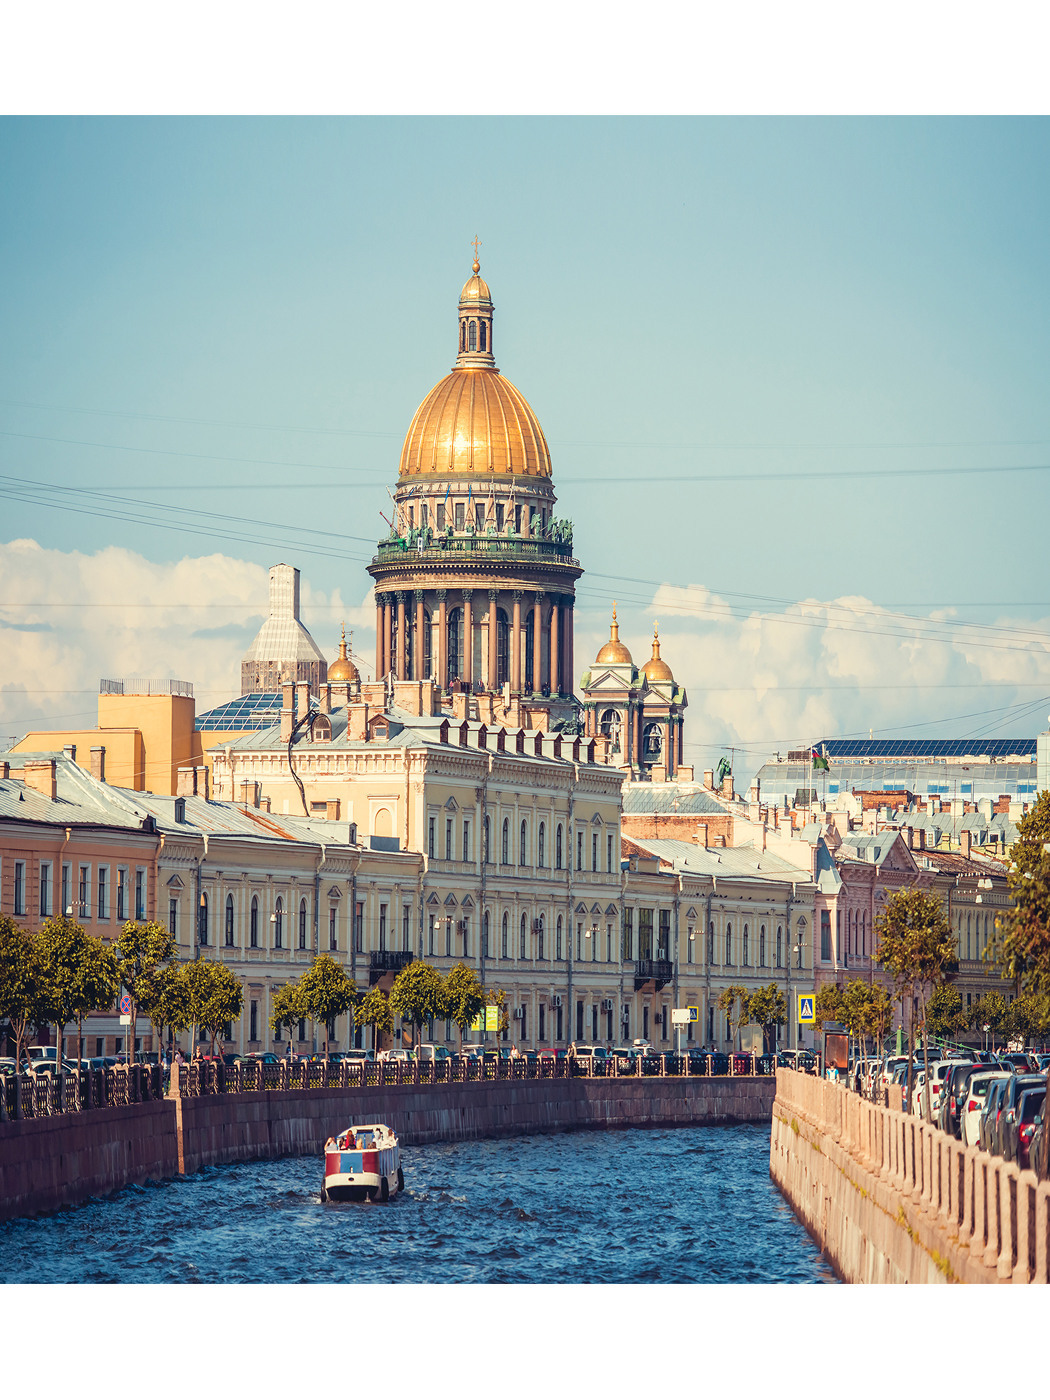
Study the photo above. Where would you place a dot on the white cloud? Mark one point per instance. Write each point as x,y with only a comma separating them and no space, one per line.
68,619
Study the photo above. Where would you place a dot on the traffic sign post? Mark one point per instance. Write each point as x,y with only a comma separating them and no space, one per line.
807,1009
684,1016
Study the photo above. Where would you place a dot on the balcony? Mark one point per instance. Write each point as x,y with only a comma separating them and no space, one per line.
486,546
659,971
386,960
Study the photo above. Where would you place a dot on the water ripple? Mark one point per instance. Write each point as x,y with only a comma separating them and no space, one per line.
685,1205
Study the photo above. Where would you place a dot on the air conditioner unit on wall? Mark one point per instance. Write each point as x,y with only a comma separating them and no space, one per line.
556,1002
607,1005
519,1013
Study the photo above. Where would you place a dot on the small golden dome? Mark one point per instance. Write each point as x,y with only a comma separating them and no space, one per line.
343,669
474,421
475,288
614,651
656,669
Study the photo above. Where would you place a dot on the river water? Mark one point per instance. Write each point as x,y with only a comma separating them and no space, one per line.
685,1205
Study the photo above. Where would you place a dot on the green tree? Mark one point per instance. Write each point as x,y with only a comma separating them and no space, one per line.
418,995
79,974
733,1004
374,1011
165,998
215,996
945,1016
829,1005
141,948
326,992
288,1007
1028,1016
917,948
876,1014
768,1009
465,997
21,988
1022,935
990,1011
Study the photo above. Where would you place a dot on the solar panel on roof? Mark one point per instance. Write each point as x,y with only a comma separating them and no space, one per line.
924,748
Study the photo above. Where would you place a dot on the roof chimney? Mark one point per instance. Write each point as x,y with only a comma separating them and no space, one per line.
98,763
39,774
965,839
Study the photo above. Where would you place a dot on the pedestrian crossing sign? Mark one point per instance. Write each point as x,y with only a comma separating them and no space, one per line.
806,1009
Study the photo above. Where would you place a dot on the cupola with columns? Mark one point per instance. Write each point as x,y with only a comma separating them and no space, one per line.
641,711
475,582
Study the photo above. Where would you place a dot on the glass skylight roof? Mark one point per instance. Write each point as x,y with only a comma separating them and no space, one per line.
260,711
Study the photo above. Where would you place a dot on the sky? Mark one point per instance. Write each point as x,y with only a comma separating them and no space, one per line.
792,372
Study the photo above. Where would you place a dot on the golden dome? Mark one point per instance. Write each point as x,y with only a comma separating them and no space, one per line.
343,669
475,421
614,650
475,288
655,669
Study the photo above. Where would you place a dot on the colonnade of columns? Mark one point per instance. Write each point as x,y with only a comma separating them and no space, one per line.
394,615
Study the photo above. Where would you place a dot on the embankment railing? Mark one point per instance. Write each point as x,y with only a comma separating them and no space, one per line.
984,1203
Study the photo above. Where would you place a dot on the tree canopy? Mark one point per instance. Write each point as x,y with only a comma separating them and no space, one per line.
141,948
216,996
419,995
733,1003
325,993
768,1009
21,991
1022,943
465,997
79,974
374,1011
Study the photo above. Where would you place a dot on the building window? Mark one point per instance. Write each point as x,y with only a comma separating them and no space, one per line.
278,923
466,840
302,1031
522,844
103,892
450,853
762,946
229,921
594,850
645,933
82,893
780,946
579,850
466,938
664,950
608,853
690,939
557,940
203,921
505,844
472,335
173,918
359,928
253,925
406,928
302,924
479,518
140,894
485,934
45,890
729,945
608,947
522,939
431,837
253,1020
825,935
20,887
541,841
448,940
67,905
486,848
800,937
746,946
557,848
627,940
122,893
382,928
539,939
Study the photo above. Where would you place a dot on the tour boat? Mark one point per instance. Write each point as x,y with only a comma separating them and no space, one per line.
362,1161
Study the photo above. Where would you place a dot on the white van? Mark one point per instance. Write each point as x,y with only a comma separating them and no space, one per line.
437,1053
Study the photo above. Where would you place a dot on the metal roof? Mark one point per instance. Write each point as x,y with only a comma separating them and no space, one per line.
670,799
723,861
260,711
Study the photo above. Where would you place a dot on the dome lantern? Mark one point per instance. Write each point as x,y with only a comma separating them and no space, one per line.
613,652
656,669
475,321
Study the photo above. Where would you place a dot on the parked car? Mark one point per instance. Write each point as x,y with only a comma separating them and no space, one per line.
954,1096
589,1059
1028,1109
973,1104
359,1055
1015,1087
437,1053
263,1057
624,1057
989,1130
1035,1143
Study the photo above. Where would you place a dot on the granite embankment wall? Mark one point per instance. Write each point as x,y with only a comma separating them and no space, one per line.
891,1199
46,1163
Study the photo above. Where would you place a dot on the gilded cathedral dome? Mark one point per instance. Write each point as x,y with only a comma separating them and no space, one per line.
474,421
613,652
656,669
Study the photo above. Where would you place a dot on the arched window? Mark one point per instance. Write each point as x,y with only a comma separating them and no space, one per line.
523,845
504,942
278,923
539,939
229,921
780,946
747,937
462,335
800,941
729,945
968,935
202,921
472,336
541,842
253,928
711,944
522,943
481,335
487,853
557,937
302,923
762,946
505,844
455,644
653,740
557,848
485,935
610,727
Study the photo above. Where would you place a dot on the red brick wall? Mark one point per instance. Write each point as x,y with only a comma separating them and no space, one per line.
651,826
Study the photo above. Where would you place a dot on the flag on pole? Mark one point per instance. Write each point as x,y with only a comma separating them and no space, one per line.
820,763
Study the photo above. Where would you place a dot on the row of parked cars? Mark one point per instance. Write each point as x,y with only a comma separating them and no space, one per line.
991,1101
